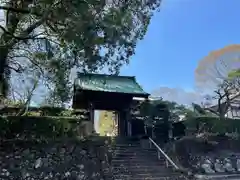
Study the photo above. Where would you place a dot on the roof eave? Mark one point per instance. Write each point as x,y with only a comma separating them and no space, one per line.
140,95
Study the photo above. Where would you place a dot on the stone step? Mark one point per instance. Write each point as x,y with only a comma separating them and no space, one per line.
147,176
134,166
118,155
126,145
143,166
133,149
138,161
135,152
131,161
150,178
137,177
143,170
140,169
128,148
129,165
128,151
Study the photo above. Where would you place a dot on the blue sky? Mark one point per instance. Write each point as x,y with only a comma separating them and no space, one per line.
180,35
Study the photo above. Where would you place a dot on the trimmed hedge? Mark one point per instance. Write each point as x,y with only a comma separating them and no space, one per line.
213,124
42,111
37,126
45,110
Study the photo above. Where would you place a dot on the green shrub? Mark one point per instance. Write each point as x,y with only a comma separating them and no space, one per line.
213,124
37,111
37,126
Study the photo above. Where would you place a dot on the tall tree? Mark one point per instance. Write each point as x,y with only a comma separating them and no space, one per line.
165,110
226,93
178,110
214,68
58,35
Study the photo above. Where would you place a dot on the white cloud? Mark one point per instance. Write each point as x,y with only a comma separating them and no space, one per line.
178,95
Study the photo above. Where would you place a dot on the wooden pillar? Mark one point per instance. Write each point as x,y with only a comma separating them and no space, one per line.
128,123
129,128
122,121
91,111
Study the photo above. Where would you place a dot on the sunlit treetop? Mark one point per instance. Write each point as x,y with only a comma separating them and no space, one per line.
215,68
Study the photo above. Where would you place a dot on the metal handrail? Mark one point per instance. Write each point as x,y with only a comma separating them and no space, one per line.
212,176
168,159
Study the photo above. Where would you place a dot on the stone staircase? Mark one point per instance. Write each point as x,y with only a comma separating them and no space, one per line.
132,162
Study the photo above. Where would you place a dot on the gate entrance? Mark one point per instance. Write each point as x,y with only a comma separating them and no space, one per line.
106,123
107,92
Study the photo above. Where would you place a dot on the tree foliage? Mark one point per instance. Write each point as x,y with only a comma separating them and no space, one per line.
165,110
55,36
218,75
234,74
203,111
197,108
215,68
223,97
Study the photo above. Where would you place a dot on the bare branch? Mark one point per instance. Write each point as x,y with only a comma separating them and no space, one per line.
16,37
29,11
28,99
31,60
19,69
38,23
3,29
18,10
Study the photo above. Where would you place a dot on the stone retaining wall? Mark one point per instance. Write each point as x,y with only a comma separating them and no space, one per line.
63,159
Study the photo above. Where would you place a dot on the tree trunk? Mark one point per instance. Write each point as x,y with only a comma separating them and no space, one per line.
6,45
221,111
3,64
222,116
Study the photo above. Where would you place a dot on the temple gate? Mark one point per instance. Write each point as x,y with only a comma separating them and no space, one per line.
107,92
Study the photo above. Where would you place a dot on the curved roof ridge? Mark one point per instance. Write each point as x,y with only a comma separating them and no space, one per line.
107,75
109,83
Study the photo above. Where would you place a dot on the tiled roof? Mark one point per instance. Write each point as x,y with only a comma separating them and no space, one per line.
109,83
